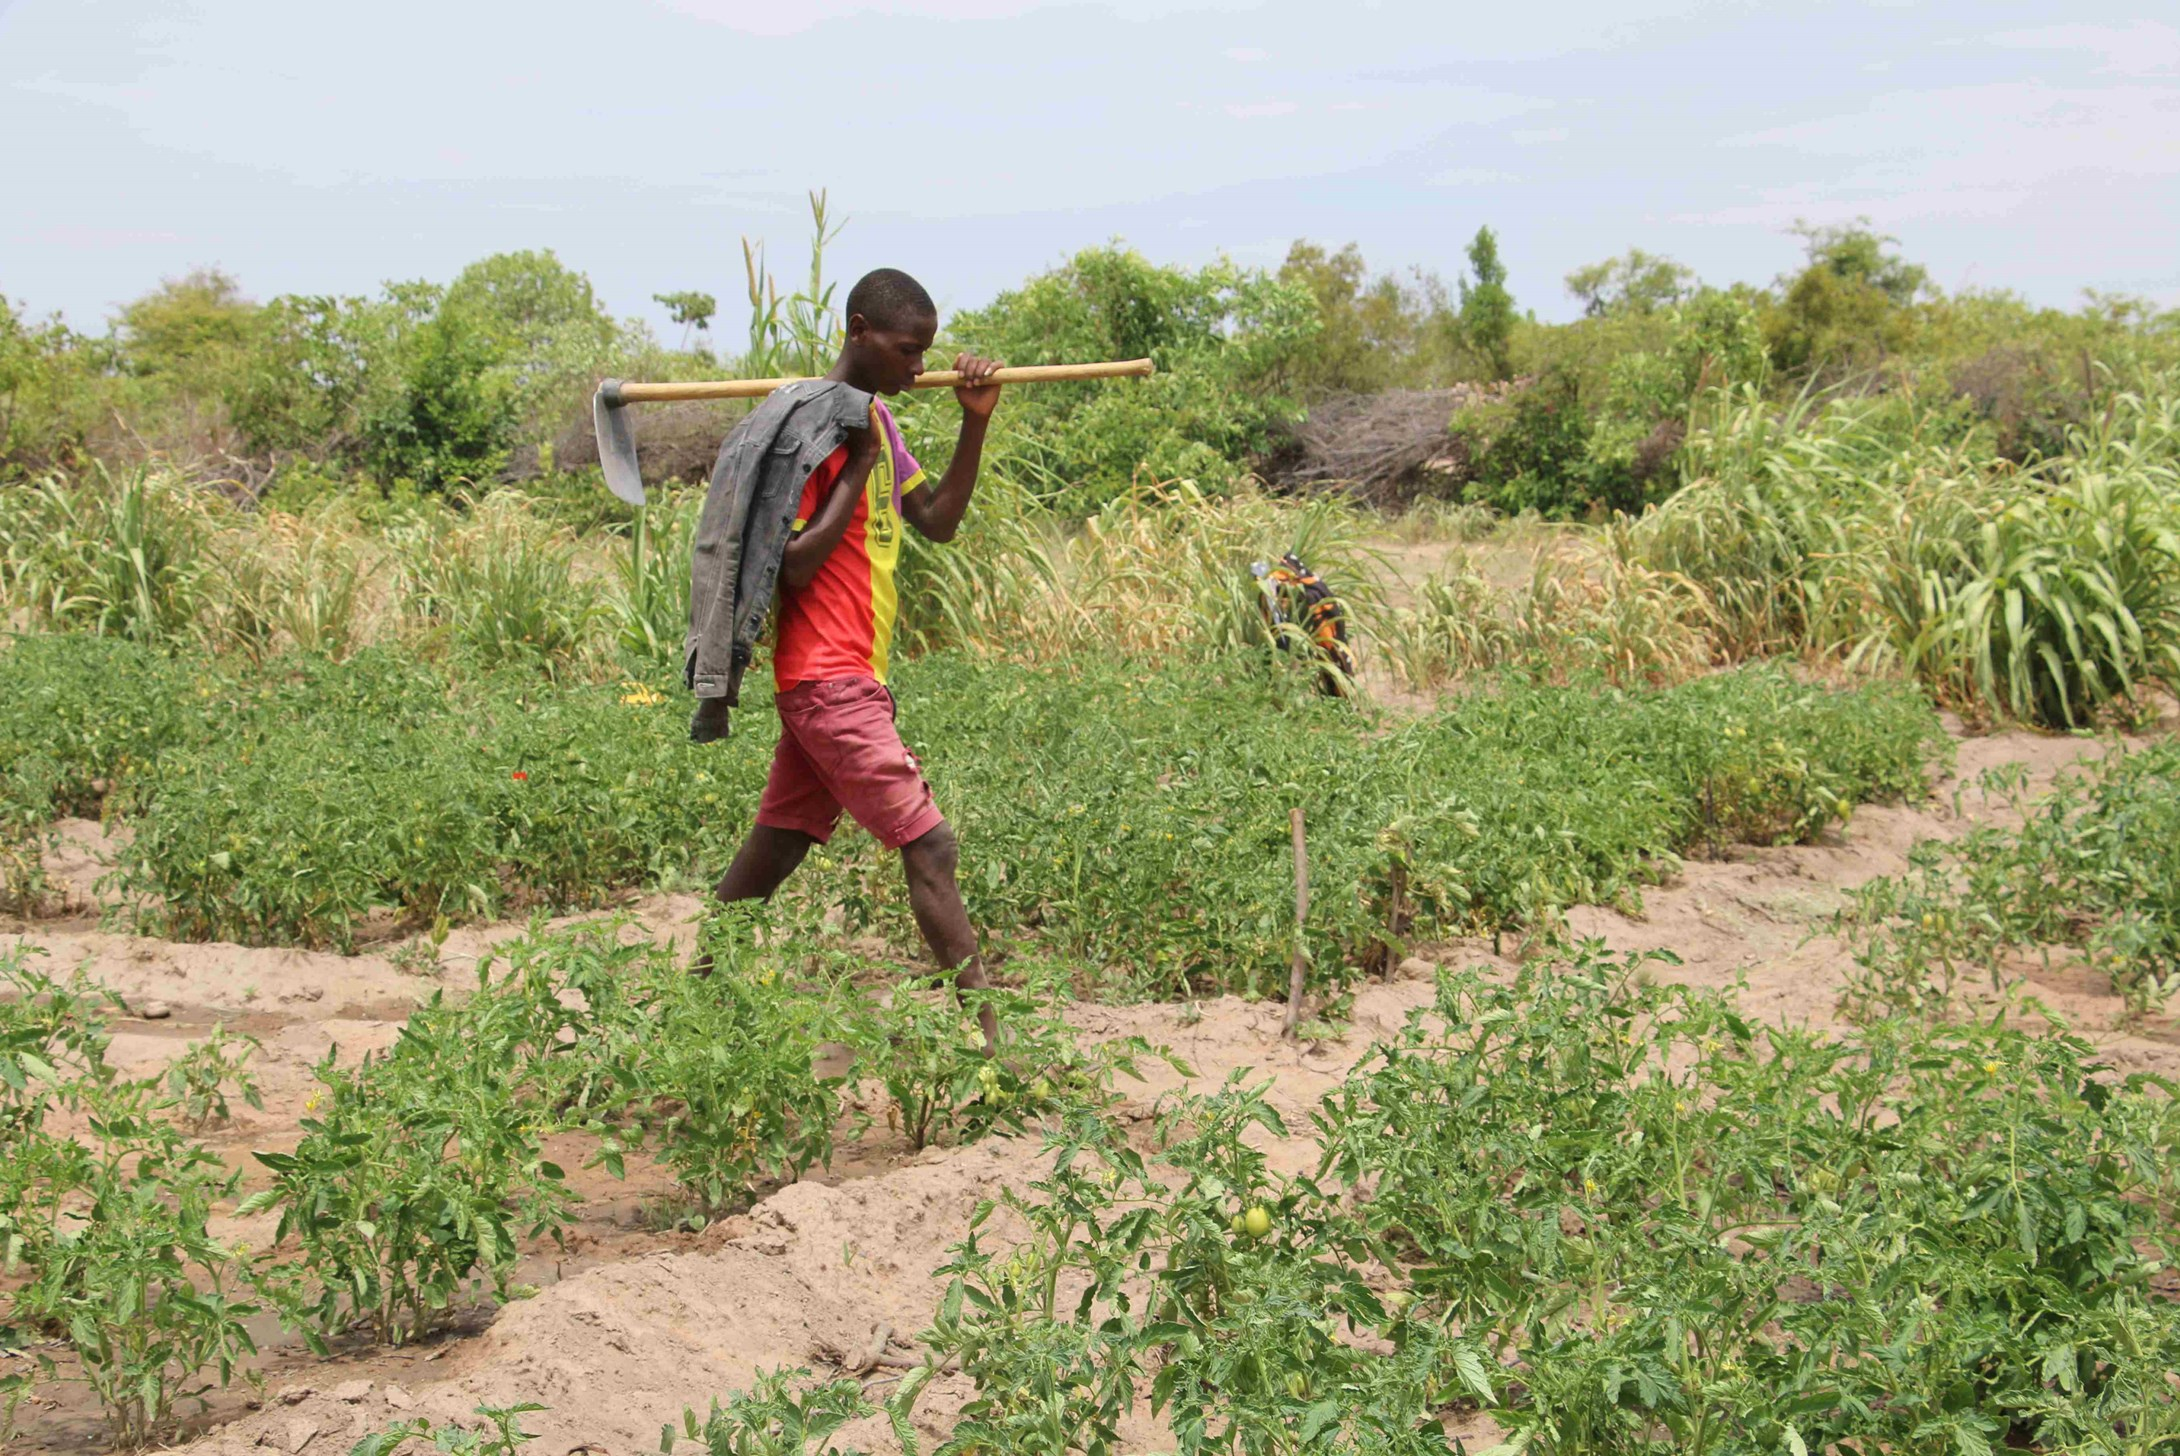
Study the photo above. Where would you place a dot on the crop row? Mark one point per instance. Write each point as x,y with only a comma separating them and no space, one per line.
1136,818
1613,1215
421,1172
2088,873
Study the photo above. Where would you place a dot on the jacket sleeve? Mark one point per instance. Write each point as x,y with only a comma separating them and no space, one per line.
715,560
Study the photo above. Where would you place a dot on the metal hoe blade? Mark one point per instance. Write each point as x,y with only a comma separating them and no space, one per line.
616,443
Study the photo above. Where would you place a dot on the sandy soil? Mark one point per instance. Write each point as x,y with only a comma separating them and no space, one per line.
631,1324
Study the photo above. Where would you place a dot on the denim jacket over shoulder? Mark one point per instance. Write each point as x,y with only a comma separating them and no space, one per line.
749,512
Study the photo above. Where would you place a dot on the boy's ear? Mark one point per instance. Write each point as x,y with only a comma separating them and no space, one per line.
858,326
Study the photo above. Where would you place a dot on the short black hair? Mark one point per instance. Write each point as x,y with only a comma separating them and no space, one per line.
889,298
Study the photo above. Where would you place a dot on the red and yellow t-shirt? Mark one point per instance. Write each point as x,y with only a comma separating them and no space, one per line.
841,624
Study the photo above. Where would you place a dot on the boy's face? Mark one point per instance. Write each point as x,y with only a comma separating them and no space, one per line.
890,356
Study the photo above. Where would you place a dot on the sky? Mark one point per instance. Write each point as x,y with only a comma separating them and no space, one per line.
319,148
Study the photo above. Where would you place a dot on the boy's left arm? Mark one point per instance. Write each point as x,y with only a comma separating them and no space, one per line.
936,511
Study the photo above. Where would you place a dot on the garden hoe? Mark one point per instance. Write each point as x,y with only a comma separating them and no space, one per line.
617,435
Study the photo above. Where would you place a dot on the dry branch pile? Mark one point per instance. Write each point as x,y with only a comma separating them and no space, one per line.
1379,444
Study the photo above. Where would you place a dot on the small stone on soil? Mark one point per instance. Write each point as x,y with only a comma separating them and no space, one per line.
155,1011
349,1392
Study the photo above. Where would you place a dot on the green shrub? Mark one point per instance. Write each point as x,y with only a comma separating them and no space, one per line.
52,1039
1219,337
1671,1218
1151,836
80,714
122,1261
416,1172
2092,869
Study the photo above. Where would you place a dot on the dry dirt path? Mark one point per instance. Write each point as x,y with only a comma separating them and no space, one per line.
631,1325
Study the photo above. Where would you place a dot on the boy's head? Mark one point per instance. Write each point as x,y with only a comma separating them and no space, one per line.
891,321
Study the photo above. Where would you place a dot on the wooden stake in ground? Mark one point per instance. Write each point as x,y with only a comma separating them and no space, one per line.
1301,916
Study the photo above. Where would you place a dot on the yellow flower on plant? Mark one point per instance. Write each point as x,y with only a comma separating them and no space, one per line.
640,696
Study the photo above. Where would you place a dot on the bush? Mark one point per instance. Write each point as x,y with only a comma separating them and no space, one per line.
123,1261
424,1167
1801,1202
2044,595
2092,869
1221,338
1152,836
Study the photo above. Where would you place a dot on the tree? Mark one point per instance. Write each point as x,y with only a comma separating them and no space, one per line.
1638,282
1854,254
689,309
1850,307
1487,309
1376,334
188,329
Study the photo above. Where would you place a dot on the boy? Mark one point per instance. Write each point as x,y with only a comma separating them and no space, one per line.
839,748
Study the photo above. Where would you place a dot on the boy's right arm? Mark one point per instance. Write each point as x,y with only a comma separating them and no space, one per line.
808,548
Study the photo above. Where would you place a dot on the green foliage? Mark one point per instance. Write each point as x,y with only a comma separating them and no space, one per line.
1374,333
1530,453
801,333
193,329
1682,1227
1125,1278
1221,338
776,1418
198,1080
416,1171
1601,426
500,1435
1487,309
328,791
122,1261
688,308
52,1042
727,1061
2090,873
2046,595
40,396
1497,811
321,366
1637,282
118,556
501,583
1849,308
924,1045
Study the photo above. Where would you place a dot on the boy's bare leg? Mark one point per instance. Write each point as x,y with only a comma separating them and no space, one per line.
936,899
760,867
763,863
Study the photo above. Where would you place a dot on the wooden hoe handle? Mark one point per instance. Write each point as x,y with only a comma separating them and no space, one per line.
620,393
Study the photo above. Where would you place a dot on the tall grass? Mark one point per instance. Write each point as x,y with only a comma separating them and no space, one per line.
500,583
120,556
2050,594
1590,608
646,598
1160,572
303,582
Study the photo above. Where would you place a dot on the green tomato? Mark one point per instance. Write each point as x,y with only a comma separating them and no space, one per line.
1257,1221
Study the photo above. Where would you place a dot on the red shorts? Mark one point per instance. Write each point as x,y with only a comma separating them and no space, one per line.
840,750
